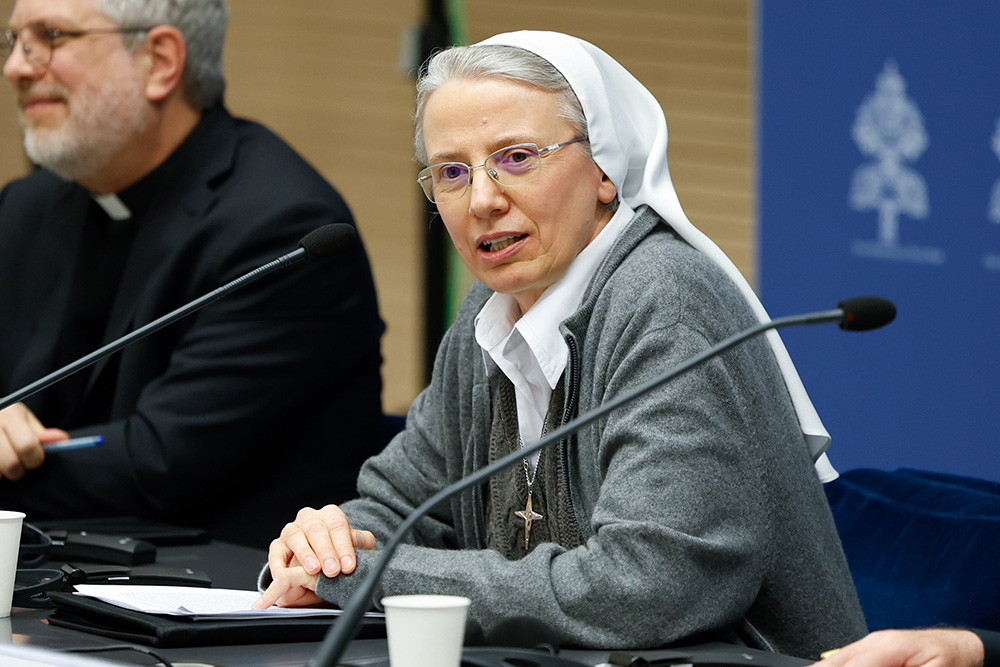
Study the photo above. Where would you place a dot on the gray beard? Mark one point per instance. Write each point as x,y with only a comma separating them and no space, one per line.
101,122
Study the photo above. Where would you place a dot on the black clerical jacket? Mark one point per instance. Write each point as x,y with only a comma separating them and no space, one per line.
234,418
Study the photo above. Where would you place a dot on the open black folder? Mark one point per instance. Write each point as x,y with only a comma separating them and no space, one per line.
95,616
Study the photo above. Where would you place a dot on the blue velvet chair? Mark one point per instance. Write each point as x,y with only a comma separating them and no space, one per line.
921,546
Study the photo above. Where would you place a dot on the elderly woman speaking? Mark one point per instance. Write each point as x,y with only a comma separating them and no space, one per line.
695,511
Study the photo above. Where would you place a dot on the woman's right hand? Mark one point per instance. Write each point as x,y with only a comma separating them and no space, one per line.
317,541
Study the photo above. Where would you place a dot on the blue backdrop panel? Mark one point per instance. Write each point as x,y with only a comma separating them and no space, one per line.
879,171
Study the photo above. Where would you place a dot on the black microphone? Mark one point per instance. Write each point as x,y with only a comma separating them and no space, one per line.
866,312
318,244
858,314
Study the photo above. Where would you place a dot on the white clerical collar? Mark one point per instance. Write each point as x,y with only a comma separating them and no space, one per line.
113,206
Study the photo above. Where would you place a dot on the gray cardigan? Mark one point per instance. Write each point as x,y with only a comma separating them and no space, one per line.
698,503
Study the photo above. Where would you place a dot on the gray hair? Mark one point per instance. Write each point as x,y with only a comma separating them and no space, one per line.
502,62
203,25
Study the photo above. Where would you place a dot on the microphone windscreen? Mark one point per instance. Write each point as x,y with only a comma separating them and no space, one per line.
324,242
866,312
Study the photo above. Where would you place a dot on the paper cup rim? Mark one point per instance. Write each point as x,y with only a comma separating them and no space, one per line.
425,601
7,515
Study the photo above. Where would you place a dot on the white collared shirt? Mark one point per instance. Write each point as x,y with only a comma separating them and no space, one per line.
530,350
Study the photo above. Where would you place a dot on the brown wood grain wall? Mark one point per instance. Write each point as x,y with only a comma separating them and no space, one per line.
330,77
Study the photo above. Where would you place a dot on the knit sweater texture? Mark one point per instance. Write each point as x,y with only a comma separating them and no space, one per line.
698,504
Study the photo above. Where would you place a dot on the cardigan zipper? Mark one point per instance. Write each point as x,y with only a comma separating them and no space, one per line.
572,398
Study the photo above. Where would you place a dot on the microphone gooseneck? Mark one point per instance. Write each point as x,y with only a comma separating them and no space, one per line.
346,625
321,243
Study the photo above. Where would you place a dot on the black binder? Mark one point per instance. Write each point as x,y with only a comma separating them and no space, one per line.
87,614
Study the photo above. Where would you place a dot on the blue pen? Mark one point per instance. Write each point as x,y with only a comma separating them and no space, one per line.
74,443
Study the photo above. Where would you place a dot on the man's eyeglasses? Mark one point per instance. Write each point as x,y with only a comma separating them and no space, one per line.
39,40
510,166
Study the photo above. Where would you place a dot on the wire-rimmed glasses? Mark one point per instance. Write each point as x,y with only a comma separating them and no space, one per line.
39,40
509,166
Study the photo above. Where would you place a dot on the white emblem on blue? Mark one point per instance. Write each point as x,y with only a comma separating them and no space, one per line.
991,260
995,199
890,129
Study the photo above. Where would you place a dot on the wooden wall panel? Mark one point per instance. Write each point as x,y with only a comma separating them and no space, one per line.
12,159
326,76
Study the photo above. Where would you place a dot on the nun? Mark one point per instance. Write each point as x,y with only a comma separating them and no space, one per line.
694,513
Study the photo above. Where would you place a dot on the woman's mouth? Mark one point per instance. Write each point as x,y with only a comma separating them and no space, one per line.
498,244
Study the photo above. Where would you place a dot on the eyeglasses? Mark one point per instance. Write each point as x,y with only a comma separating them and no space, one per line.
510,166
39,40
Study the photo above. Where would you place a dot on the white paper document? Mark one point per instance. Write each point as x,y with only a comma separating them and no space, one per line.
213,603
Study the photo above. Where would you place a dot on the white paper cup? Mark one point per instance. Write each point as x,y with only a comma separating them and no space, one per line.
10,540
425,630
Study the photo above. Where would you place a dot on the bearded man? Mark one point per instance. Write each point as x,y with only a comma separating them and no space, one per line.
150,194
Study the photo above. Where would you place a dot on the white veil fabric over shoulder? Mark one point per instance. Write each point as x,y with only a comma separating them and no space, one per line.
628,139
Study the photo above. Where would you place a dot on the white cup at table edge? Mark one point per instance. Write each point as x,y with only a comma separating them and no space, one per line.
425,630
10,541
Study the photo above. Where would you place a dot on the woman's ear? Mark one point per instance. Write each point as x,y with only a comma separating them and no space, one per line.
606,191
167,54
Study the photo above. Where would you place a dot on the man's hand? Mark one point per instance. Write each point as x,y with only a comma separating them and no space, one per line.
21,440
933,647
317,541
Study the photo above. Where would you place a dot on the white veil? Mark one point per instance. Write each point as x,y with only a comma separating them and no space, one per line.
628,138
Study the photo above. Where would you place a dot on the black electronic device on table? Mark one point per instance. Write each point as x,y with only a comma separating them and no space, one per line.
38,547
143,575
122,540
87,546
155,532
